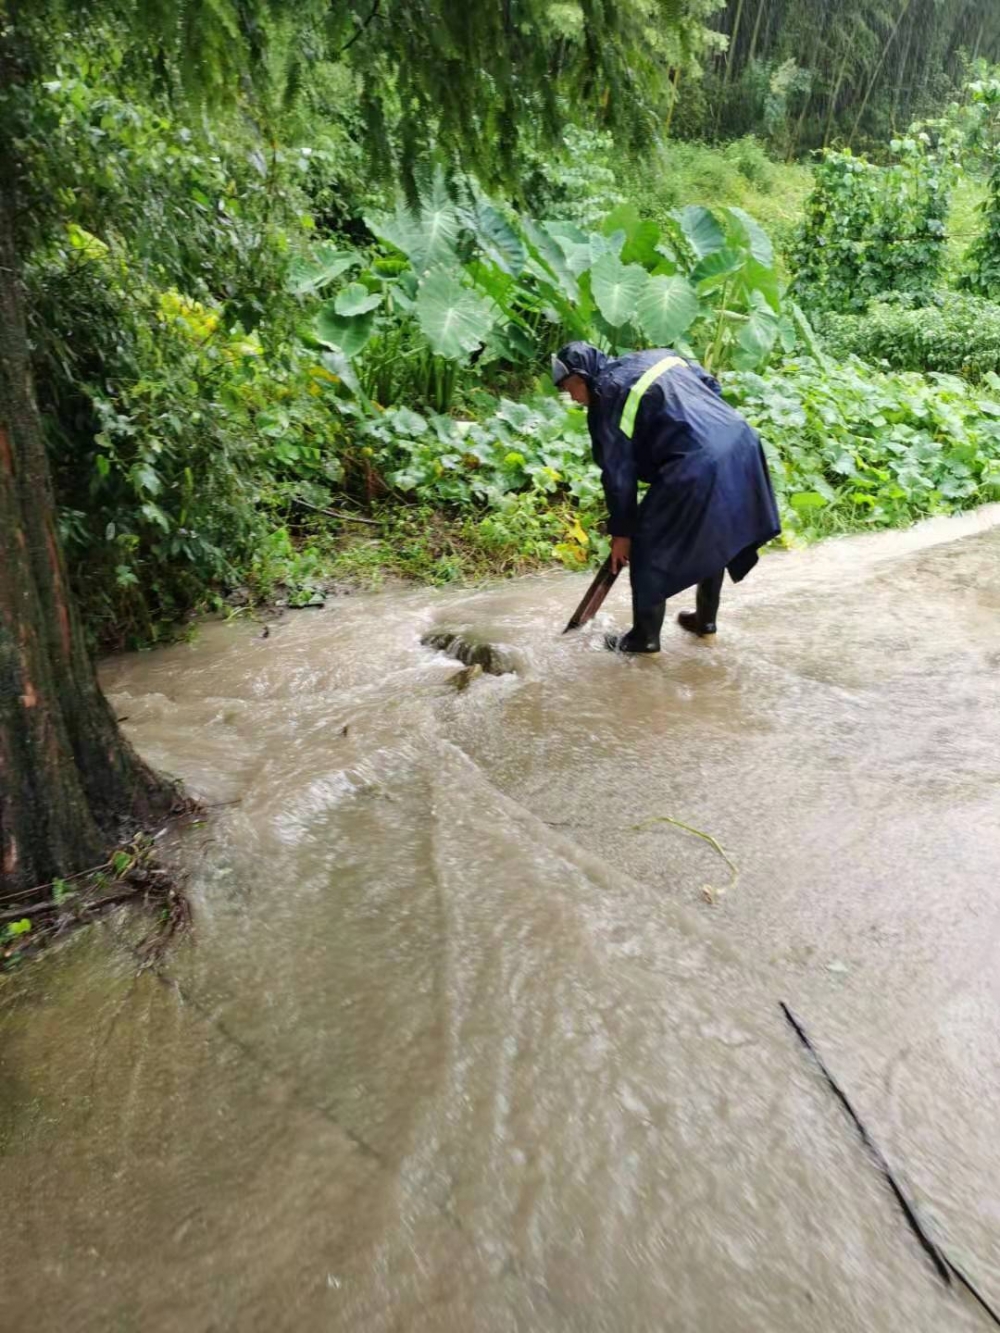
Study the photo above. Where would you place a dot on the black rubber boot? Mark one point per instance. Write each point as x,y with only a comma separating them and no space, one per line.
644,636
702,620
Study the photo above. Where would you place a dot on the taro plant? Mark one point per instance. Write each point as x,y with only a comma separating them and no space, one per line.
460,278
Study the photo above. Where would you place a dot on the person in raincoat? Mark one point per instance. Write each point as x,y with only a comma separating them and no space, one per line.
659,418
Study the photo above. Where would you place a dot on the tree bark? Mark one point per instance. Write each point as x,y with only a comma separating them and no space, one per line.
70,784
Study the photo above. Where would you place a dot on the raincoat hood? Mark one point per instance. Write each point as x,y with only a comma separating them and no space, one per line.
578,359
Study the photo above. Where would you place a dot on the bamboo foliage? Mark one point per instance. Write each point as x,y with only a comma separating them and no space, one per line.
873,65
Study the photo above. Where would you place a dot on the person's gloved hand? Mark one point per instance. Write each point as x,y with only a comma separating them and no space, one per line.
621,550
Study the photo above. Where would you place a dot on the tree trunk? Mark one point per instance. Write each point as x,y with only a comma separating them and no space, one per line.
832,110
878,69
756,32
70,784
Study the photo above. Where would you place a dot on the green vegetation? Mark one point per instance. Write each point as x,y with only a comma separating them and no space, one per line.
957,335
853,448
845,73
258,368
278,285
871,230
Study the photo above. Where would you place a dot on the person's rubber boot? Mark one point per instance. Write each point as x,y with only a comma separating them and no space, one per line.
644,636
702,620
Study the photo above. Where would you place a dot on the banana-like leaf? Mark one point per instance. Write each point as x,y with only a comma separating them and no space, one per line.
617,288
667,309
454,319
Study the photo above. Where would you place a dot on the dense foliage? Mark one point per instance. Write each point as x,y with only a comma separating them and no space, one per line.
468,279
308,337
982,129
869,230
836,73
958,335
850,446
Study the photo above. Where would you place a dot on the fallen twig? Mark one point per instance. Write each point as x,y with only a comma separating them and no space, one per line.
698,833
335,513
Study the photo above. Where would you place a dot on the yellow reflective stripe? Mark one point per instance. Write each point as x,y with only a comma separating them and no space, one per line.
631,410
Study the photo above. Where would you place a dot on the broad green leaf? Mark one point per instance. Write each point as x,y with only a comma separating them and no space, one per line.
807,500
641,235
641,246
716,269
566,231
701,229
401,230
754,236
666,309
497,238
154,514
625,217
606,245
757,336
326,263
426,238
786,332
340,367
499,286
755,277
549,256
520,342
349,334
356,299
617,288
408,422
808,333
512,343
89,245
440,223
454,319
574,245
146,478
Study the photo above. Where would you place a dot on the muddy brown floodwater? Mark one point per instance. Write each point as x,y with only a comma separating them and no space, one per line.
457,1047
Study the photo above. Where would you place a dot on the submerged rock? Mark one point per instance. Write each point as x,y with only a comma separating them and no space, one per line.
492,658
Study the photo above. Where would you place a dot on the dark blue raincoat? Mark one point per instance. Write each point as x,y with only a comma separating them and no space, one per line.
710,504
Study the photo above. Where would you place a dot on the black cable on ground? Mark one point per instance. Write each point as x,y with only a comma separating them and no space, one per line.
944,1267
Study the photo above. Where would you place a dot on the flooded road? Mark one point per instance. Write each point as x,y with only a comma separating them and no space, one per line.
465,1041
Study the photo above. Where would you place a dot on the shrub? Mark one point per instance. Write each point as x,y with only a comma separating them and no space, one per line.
959,335
851,447
870,230
164,425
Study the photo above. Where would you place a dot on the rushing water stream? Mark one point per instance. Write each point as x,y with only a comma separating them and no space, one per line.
458,1047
